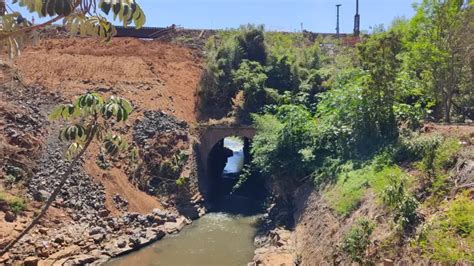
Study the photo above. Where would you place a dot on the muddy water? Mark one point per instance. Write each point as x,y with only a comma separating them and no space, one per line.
215,239
223,237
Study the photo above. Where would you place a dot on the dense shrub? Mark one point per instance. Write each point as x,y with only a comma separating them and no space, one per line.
250,78
282,145
357,240
446,153
349,125
251,43
400,201
413,146
244,56
410,115
280,74
224,55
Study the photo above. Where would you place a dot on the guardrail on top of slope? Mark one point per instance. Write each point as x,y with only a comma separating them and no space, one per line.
146,32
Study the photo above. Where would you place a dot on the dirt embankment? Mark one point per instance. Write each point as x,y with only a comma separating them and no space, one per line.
320,231
152,75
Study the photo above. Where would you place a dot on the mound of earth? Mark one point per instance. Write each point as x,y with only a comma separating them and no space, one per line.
153,75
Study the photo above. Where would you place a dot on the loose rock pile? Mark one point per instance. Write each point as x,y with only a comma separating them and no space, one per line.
156,122
164,146
91,230
108,237
83,198
84,225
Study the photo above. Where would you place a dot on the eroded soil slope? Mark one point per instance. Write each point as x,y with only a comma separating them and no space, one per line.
151,74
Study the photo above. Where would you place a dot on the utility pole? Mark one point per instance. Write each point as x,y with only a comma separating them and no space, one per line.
337,23
357,20
3,8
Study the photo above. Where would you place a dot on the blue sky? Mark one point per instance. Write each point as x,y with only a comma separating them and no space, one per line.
287,15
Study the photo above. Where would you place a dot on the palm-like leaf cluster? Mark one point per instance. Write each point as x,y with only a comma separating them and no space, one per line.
90,117
80,17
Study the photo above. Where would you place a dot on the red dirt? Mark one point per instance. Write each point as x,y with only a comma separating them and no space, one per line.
151,74
116,181
465,132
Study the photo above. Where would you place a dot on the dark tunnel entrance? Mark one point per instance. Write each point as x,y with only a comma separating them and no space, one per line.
228,163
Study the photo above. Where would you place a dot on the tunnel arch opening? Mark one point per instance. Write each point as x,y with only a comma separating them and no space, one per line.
227,161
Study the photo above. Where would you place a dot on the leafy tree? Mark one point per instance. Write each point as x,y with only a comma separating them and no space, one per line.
250,78
439,53
280,74
378,57
290,65
79,16
356,114
216,86
357,240
282,146
89,118
251,43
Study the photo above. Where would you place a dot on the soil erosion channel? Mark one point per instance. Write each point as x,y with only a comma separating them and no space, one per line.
222,237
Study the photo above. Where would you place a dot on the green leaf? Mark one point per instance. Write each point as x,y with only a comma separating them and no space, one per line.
56,113
126,105
73,149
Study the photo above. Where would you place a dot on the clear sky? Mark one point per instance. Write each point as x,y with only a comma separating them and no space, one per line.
287,15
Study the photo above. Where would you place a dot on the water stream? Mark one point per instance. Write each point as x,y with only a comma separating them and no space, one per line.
224,237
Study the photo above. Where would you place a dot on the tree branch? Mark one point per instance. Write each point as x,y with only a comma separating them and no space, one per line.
4,35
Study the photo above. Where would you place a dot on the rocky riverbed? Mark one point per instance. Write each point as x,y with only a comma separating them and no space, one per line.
77,243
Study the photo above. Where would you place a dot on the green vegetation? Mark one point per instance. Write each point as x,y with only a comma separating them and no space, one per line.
446,154
450,236
349,189
389,182
346,117
280,150
247,69
434,155
396,196
16,204
413,146
357,240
